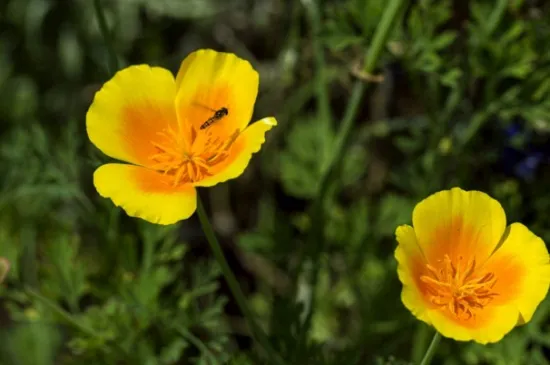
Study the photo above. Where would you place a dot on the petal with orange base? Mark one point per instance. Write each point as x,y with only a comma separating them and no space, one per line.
208,81
522,266
130,110
457,222
490,325
247,143
145,193
411,262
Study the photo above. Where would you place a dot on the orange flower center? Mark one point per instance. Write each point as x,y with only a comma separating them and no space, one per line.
458,288
190,158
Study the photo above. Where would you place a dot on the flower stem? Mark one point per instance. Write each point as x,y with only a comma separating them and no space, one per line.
238,295
321,86
372,55
431,349
315,242
148,256
113,60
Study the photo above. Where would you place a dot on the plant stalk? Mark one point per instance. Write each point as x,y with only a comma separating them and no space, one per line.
321,84
113,59
238,295
373,53
316,241
431,349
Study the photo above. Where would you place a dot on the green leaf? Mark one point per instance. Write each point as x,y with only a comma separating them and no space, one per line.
302,160
353,165
64,277
32,343
444,40
256,242
70,53
394,211
172,352
406,144
452,78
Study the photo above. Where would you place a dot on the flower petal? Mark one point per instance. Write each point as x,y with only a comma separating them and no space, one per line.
248,143
145,193
208,81
522,267
458,223
490,325
130,110
410,263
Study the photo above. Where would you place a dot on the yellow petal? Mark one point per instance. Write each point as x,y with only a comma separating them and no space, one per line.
129,112
410,264
490,325
457,222
208,81
248,143
145,193
522,267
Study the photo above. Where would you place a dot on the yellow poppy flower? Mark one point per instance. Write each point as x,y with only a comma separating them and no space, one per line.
465,272
176,134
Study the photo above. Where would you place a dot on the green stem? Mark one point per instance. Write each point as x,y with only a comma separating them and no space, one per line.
323,98
475,125
382,33
148,255
68,318
238,295
61,313
431,349
113,60
197,343
373,54
321,85
316,240
28,237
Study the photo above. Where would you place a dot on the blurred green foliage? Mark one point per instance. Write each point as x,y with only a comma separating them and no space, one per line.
88,285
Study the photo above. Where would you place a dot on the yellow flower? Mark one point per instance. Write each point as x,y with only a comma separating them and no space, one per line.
176,134
465,272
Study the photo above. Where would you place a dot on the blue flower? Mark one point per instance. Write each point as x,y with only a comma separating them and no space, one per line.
522,162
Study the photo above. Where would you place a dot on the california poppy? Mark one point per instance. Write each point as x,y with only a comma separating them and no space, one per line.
465,272
175,134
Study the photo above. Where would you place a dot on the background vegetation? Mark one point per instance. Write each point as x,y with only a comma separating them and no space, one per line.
460,97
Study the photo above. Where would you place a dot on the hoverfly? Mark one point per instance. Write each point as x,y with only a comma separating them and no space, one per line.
218,114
